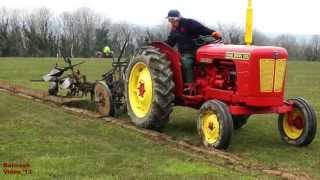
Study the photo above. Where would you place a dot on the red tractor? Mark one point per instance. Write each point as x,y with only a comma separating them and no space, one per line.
231,83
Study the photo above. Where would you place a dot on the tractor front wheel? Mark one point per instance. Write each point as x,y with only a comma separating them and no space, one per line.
215,125
298,127
149,89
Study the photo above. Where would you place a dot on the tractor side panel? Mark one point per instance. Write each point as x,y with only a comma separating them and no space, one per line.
243,76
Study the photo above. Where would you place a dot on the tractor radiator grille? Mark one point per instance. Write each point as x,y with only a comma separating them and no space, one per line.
272,74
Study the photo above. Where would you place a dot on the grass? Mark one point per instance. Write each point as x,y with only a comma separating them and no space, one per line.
22,70
58,145
258,141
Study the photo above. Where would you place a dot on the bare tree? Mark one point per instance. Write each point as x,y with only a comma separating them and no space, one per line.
161,31
232,34
83,32
17,41
4,32
68,39
260,39
103,35
289,42
315,45
119,33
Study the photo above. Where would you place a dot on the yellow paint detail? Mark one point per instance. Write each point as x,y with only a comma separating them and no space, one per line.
210,127
290,130
140,101
249,23
279,74
237,55
266,75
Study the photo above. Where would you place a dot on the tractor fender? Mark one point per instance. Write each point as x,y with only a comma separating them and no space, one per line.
174,57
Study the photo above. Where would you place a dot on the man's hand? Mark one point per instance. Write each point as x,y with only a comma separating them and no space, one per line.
216,35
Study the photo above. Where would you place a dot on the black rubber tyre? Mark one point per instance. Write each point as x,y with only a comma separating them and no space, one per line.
162,85
309,123
239,121
224,118
53,89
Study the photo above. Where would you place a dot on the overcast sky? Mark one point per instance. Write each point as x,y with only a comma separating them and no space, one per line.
272,16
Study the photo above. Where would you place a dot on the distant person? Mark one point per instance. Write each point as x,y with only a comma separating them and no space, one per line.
183,32
107,52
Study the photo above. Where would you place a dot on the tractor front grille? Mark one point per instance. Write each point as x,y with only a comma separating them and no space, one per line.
272,74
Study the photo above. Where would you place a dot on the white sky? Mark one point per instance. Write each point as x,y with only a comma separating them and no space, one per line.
272,16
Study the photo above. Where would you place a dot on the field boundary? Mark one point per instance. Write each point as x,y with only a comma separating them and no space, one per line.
156,137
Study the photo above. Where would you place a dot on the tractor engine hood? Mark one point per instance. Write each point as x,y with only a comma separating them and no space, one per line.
260,71
211,52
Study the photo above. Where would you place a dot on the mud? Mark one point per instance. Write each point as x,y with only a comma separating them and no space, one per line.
39,94
230,159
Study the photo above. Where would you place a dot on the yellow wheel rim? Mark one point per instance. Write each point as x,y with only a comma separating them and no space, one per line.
293,128
210,127
140,90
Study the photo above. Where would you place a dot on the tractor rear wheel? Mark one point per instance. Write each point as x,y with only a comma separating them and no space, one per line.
215,125
149,89
239,121
299,126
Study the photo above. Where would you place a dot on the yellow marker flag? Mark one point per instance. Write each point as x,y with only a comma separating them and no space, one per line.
249,24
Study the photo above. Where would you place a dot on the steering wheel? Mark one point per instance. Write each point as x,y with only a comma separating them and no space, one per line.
208,39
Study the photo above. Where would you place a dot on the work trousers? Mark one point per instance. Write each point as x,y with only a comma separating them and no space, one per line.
187,65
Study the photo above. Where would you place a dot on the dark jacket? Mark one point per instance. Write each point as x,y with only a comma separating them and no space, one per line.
184,34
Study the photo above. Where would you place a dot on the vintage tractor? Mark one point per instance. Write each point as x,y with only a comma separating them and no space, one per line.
231,83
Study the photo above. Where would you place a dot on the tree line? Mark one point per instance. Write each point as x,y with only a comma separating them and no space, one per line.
83,32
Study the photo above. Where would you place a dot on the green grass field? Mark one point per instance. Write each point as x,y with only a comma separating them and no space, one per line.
258,141
22,70
58,145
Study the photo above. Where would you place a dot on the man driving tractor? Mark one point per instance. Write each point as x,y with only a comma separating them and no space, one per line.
183,33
